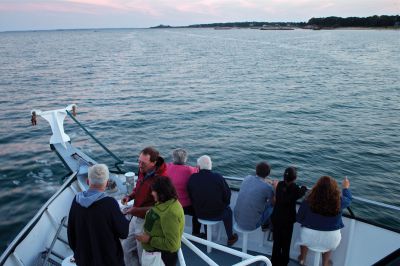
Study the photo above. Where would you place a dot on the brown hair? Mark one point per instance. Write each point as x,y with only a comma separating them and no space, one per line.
164,188
324,197
263,169
154,154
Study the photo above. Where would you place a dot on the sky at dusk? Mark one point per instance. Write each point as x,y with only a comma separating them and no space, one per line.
77,14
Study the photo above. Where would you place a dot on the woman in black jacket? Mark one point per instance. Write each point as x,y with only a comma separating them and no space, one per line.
284,215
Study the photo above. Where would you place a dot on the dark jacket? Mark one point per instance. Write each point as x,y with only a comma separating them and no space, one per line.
94,231
209,193
307,218
142,191
286,197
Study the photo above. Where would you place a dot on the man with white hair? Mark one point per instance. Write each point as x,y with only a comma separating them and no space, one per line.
96,223
211,196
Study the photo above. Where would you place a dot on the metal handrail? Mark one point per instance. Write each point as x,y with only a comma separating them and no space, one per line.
26,230
372,202
254,259
119,161
248,258
377,203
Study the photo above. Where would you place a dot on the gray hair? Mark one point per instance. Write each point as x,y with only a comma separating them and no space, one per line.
98,174
204,162
179,156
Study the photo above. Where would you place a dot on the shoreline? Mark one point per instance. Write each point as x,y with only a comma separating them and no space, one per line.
362,28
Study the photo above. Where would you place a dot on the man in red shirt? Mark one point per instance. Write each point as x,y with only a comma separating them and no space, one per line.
151,166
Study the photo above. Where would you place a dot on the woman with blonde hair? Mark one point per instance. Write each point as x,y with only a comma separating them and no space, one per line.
320,216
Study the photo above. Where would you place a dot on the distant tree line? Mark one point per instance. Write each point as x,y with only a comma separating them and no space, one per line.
373,21
328,22
248,24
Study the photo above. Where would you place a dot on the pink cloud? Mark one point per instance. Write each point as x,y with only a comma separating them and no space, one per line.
43,6
81,6
142,6
183,12
102,3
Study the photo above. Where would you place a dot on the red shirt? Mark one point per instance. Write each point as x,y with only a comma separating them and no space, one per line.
142,191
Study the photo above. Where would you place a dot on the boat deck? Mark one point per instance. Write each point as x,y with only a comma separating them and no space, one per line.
221,258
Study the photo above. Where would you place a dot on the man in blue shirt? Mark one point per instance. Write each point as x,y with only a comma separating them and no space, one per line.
254,204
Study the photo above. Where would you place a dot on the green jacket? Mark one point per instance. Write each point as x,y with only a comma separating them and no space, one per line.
164,223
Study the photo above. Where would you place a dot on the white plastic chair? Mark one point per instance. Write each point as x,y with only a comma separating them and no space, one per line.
209,230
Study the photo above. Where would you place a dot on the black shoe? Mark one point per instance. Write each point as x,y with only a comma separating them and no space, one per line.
265,227
232,240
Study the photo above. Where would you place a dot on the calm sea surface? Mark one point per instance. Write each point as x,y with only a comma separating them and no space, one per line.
327,102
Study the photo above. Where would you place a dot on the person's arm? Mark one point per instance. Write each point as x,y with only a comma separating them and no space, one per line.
301,213
272,197
71,228
171,239
226,192
132,195
300,191
189,188
275,183
120,223
193,170
346,198
346,194
127,198
138,211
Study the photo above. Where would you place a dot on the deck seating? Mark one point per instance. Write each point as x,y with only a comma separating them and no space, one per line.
317,254
209,230
245,233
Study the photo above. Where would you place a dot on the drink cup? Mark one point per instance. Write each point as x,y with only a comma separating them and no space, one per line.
130,181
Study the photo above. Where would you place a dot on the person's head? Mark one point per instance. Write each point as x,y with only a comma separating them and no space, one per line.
324,197
179,156
204,162
263,169
98,176
163,189
290,174
147,159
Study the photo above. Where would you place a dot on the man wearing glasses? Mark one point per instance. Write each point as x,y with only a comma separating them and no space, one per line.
151,166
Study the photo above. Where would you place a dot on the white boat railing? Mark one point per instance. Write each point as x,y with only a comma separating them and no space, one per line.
372,202
249,259
376,203
25,231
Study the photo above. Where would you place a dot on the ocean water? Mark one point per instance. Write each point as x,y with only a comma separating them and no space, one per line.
327,102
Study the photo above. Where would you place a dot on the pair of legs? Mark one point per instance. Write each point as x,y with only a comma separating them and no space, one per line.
281,247
132,248
226,217
325,256
169,258
266,215
196,226
319,240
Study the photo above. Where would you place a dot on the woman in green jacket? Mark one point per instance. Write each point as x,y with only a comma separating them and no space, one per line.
164,223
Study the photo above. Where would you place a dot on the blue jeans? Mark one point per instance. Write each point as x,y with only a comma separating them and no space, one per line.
265,215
